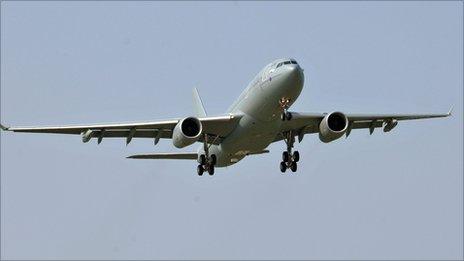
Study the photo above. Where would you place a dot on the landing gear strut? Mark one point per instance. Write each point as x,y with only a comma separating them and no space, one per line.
206,161
289,159
284,104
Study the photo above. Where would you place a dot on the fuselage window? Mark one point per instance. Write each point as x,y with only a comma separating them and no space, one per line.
278,65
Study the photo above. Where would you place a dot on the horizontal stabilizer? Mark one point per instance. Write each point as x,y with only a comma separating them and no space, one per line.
258,152
183,155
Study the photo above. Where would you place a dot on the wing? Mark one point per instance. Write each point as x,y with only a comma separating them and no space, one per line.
308,123
183,155
216,127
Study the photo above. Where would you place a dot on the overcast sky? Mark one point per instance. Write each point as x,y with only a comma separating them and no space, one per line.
390,195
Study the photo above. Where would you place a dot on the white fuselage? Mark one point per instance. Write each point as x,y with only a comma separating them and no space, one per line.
260,109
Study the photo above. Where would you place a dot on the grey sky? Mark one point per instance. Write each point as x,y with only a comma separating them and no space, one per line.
395,195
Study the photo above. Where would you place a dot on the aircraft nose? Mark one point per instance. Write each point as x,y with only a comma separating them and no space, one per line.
295,73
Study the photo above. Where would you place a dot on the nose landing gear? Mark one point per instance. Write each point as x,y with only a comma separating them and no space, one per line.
289,159
284,104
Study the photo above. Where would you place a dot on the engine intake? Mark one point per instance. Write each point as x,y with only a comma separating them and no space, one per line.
186,132
333,126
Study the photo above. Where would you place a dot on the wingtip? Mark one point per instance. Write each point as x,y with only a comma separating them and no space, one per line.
3,127
450,111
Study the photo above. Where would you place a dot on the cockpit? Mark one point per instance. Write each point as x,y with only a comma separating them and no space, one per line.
286,62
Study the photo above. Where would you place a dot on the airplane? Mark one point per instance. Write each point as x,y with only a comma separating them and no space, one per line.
259,117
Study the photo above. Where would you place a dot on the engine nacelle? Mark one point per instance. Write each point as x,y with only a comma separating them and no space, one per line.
333,126
186,132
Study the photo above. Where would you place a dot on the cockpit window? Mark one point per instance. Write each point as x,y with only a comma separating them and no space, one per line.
286,62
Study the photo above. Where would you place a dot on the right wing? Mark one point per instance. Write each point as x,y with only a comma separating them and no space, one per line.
215,127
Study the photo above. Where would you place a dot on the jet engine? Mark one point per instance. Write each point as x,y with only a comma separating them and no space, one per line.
333,126
186,132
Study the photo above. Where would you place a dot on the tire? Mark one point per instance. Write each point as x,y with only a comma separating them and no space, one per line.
211,170
296,156
202,159
200,170
213,159
293,167
282,116
283,167
285,156
288,116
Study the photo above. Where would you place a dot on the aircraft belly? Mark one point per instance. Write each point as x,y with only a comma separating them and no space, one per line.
251,135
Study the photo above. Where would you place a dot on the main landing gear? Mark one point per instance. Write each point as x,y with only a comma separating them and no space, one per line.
284,104
289,159
206,164
206,161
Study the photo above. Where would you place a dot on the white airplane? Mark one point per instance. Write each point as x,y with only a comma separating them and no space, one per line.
259,117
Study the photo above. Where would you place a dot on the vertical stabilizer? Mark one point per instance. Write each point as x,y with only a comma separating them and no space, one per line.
198,107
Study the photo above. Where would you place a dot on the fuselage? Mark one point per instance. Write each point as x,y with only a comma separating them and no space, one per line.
260,109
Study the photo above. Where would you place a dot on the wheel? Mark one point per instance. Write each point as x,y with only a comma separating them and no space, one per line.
200,170
293,167
211,170
213,159
282,116
202,159
296,156
283,167
285,156
288,116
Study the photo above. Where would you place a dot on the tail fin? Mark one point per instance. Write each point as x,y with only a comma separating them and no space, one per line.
198,104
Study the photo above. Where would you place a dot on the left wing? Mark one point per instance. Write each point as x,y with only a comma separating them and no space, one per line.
217,127
308,123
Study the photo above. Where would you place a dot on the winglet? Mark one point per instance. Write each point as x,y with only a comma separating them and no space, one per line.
450,111
4,128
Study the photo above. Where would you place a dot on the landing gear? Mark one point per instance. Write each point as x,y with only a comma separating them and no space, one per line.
283,167
206,161
211,170
296,156
293,167
285,156
284,104
289,159
202,159
206,164
200,170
